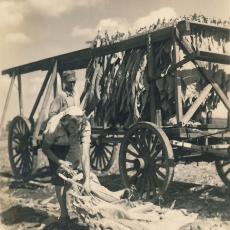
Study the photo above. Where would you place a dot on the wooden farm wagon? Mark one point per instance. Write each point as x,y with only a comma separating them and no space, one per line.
149,149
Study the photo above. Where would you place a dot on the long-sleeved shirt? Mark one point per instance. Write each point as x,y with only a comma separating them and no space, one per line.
62,102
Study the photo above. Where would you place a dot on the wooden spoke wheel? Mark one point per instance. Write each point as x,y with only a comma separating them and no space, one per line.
102,153
223,170
146,160
22,159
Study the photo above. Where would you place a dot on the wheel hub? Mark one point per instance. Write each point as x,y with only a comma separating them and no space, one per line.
139,163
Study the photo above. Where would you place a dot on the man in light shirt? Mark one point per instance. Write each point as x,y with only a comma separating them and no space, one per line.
68,97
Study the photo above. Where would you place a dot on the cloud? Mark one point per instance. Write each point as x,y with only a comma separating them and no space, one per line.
152,17
12,13
19,38
55,8
111,25
78,31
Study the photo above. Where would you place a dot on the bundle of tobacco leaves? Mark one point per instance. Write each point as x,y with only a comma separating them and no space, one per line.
117,85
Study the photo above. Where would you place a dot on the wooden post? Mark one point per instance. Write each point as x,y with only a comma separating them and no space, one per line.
55,87
44,105
178,92
20,95
7,101
40,94
158,117
152,83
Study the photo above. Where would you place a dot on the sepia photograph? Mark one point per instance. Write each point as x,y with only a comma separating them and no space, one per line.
114,115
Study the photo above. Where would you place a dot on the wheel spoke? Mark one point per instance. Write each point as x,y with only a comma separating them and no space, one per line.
17,126
132,153
156,181
93,159
18,160
100,162
16,135
227,172
92,153
16,130
154,144
108,151
103,160
129,161
19,167
143,139
17,141
148,188
132,142
148,138
131,169
160,173
152,186
154,155
140,138
226,163
17,154
106,157
142,189
97,163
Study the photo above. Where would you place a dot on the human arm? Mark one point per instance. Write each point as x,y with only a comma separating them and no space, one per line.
46,148
85,159
57,105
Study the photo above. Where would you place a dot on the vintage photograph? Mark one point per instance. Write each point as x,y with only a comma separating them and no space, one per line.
115,115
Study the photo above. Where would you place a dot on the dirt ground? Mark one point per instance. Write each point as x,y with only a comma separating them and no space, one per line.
196,190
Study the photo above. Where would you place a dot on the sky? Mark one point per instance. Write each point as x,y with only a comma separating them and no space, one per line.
34,29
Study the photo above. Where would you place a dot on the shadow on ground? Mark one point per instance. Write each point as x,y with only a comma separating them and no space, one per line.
35,218
208,201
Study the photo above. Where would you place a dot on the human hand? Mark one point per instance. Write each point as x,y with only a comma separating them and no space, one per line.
86,187
65,164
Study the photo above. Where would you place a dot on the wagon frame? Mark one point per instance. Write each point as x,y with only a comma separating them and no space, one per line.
155,146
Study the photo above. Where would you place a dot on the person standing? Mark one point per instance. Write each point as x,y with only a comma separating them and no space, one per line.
68,97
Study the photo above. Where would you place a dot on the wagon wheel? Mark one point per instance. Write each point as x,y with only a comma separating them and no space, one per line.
22,159
146,160
223,170
102,153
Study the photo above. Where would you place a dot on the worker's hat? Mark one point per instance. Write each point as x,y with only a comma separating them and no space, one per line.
68,76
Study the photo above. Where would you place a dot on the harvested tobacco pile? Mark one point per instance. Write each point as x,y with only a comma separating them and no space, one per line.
117,85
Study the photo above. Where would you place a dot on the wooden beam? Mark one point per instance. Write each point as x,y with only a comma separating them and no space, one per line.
217,150
196,104
212,57
20,95
80,58
7,102
187,48
42,89
152,83
178,87
44,105
186,26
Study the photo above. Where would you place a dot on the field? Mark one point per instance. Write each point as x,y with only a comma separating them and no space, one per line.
196,192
